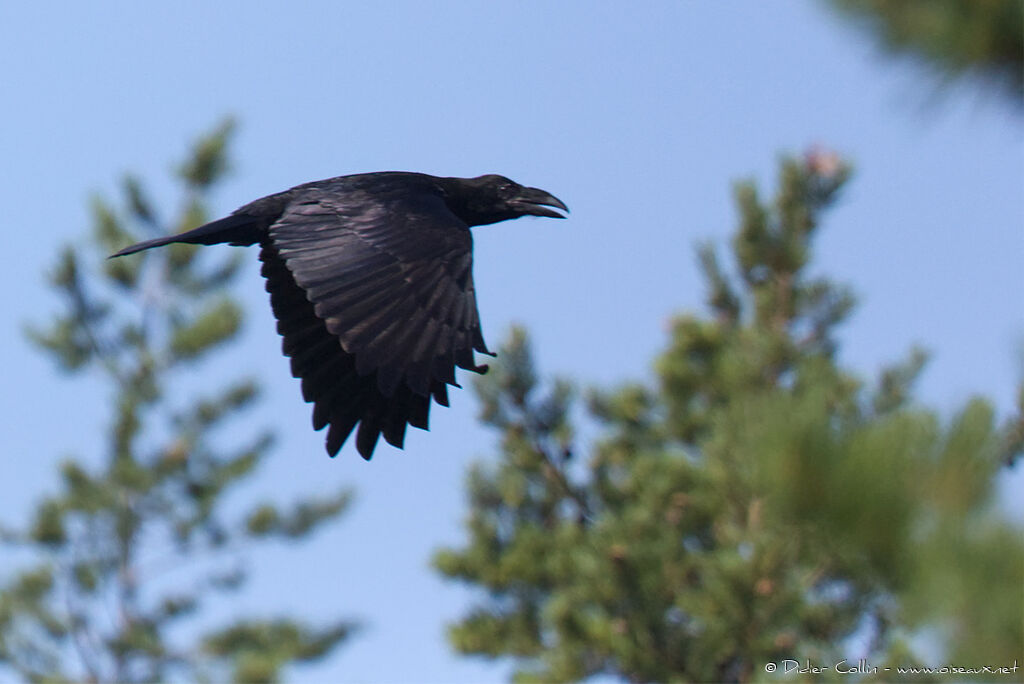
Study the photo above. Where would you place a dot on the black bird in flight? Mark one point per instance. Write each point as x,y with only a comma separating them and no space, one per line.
371,281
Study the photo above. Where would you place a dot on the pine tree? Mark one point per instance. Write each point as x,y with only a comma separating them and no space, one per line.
760,503
981,40
125,554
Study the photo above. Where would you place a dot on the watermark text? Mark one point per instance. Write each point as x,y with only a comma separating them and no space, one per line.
862,667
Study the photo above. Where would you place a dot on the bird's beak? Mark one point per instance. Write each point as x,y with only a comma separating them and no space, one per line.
536,201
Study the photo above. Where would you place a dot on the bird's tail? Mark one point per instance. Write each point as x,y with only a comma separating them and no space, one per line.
237,229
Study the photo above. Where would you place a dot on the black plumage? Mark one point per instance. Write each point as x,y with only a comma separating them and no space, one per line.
371,282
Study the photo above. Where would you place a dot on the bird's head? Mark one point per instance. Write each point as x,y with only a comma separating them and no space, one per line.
492,198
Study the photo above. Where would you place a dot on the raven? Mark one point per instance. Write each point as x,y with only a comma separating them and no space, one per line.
371,282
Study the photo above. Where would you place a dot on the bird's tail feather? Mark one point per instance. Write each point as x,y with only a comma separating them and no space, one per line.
237,229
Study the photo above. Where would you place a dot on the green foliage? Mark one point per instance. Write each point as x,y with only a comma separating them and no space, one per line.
982,39
760,503
209,160
258,649
96,603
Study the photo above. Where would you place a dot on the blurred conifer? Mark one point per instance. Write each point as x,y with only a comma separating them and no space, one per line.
760,503
124,557
981,40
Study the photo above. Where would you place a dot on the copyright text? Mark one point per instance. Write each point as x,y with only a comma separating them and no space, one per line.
862,666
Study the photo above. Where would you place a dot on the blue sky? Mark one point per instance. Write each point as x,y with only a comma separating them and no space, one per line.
639,116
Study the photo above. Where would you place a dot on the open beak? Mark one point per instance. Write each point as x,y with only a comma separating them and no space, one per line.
535,201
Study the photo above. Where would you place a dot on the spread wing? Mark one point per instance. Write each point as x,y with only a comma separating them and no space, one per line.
377,307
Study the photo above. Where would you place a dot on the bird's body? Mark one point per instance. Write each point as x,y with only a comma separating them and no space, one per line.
371,282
